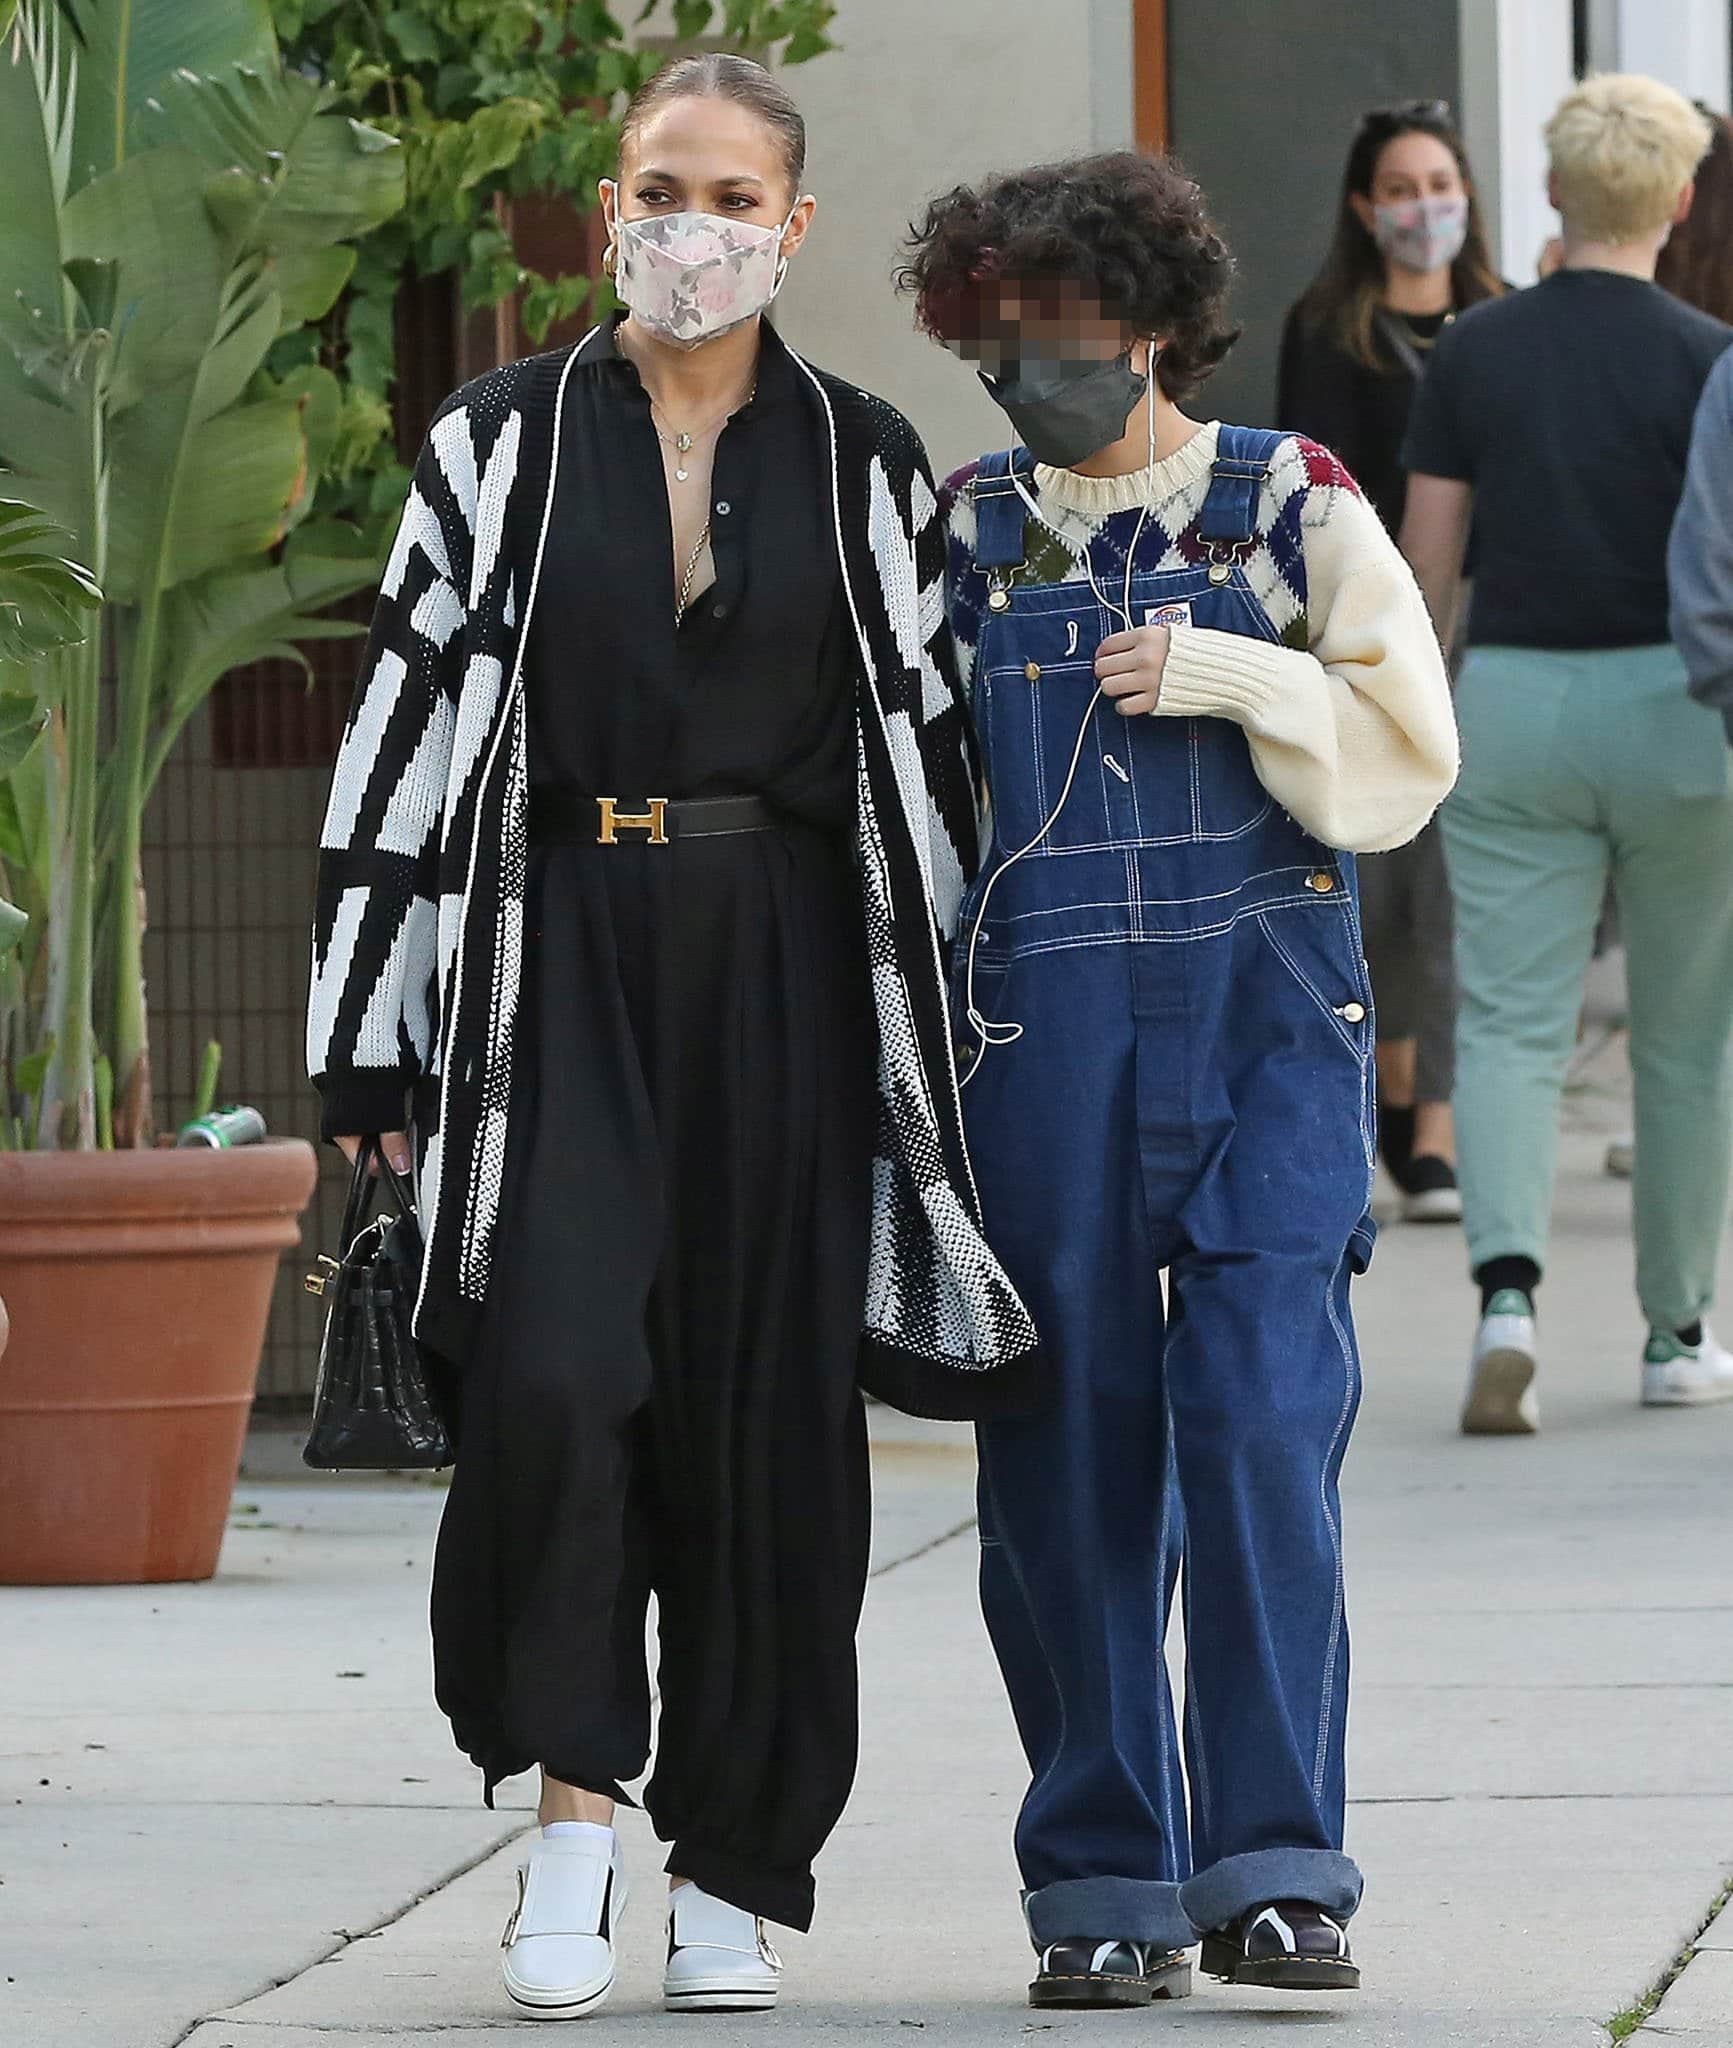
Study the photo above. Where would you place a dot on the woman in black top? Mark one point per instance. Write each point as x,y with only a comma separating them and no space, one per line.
662,1397
1409,254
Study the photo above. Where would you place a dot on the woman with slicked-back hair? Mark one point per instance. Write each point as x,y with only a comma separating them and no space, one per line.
651,820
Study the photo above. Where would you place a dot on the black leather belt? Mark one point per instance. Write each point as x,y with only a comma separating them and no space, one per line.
564,818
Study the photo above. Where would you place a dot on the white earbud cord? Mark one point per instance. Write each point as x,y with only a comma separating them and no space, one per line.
986,1032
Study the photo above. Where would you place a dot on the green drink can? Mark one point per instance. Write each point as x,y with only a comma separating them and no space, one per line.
236,1124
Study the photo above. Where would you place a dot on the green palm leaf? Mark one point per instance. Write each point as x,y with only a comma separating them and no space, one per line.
287,175
228,619
46,600
132,47
38,81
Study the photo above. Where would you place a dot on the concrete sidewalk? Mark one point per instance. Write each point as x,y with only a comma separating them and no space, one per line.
233,1819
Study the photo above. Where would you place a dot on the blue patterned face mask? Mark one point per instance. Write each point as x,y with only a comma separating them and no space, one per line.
692,276
1067,411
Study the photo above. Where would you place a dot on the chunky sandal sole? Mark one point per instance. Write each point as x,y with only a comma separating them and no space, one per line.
1080,1993
1227,1963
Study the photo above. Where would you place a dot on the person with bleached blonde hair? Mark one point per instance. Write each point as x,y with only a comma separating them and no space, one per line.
1559,419
1621,154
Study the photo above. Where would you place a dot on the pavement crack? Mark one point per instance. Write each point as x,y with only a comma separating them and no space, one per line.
924,1550
349,1938
1624,2024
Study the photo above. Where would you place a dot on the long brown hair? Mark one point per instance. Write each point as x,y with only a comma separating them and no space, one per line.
1344,297
1697,263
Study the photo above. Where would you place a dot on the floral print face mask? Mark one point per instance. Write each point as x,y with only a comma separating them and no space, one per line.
1421,234
692,276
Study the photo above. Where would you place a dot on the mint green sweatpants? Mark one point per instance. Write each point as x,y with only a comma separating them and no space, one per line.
1576,767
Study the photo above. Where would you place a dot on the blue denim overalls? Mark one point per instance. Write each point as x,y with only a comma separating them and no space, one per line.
1190,1090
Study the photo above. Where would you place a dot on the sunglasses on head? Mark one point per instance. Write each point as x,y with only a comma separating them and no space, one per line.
1404,114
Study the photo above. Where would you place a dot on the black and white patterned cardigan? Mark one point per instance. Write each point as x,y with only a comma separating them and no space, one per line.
418,934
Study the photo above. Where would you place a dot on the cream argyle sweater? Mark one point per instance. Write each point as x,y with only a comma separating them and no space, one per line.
1349,716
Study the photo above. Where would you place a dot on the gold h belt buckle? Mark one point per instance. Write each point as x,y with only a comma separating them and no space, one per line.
614,821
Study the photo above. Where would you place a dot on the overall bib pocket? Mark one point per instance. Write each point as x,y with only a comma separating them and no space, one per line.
1149,781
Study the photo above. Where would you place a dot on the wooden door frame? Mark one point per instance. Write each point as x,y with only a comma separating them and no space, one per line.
1149,66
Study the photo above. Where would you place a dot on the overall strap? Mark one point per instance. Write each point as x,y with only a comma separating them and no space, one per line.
999,508
1230,513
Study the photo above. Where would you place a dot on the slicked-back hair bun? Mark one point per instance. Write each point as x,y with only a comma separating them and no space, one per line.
718,75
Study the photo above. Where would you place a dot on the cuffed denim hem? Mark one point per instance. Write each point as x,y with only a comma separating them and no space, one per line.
1108,1909
1322,1877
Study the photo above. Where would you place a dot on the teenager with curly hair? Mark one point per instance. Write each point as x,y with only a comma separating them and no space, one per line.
1203,678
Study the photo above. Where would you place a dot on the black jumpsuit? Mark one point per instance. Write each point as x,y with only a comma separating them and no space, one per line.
662,1398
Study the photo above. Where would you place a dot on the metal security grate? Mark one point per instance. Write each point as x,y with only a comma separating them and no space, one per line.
229,859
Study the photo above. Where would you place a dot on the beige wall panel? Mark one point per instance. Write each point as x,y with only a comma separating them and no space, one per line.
921,94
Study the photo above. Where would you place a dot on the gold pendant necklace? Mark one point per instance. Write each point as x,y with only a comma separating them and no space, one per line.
684,442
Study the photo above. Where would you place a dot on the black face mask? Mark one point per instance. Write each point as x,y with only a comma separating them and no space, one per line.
1066,412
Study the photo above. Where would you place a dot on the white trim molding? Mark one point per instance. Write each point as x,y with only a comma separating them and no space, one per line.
1516,66
1686,43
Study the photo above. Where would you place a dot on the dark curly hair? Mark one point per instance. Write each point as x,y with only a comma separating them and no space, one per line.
1131,230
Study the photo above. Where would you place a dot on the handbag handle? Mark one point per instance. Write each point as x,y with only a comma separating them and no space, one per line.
364,1184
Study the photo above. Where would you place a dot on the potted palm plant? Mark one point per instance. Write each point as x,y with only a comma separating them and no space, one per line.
177,202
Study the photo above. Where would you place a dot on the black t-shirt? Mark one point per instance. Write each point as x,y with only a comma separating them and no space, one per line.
1568,407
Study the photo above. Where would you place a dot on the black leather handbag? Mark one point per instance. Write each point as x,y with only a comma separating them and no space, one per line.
374,1410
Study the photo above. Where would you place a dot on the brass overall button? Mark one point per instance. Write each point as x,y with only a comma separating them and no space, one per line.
1323,882
1032,669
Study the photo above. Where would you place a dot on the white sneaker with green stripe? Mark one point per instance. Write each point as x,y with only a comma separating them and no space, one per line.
1681,1375
1501,1397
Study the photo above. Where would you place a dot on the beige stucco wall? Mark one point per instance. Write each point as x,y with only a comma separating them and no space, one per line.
923,93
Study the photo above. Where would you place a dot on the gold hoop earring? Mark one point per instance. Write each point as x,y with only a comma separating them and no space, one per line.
611,258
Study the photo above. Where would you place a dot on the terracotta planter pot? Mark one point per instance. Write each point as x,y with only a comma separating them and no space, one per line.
138,1285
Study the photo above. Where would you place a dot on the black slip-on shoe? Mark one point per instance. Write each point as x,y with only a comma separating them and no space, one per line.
1086,1972
1288,1946
1430,1193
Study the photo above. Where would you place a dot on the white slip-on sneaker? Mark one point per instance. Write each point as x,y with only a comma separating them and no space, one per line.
1501,1396
559,1942
1679,1375
718,1957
